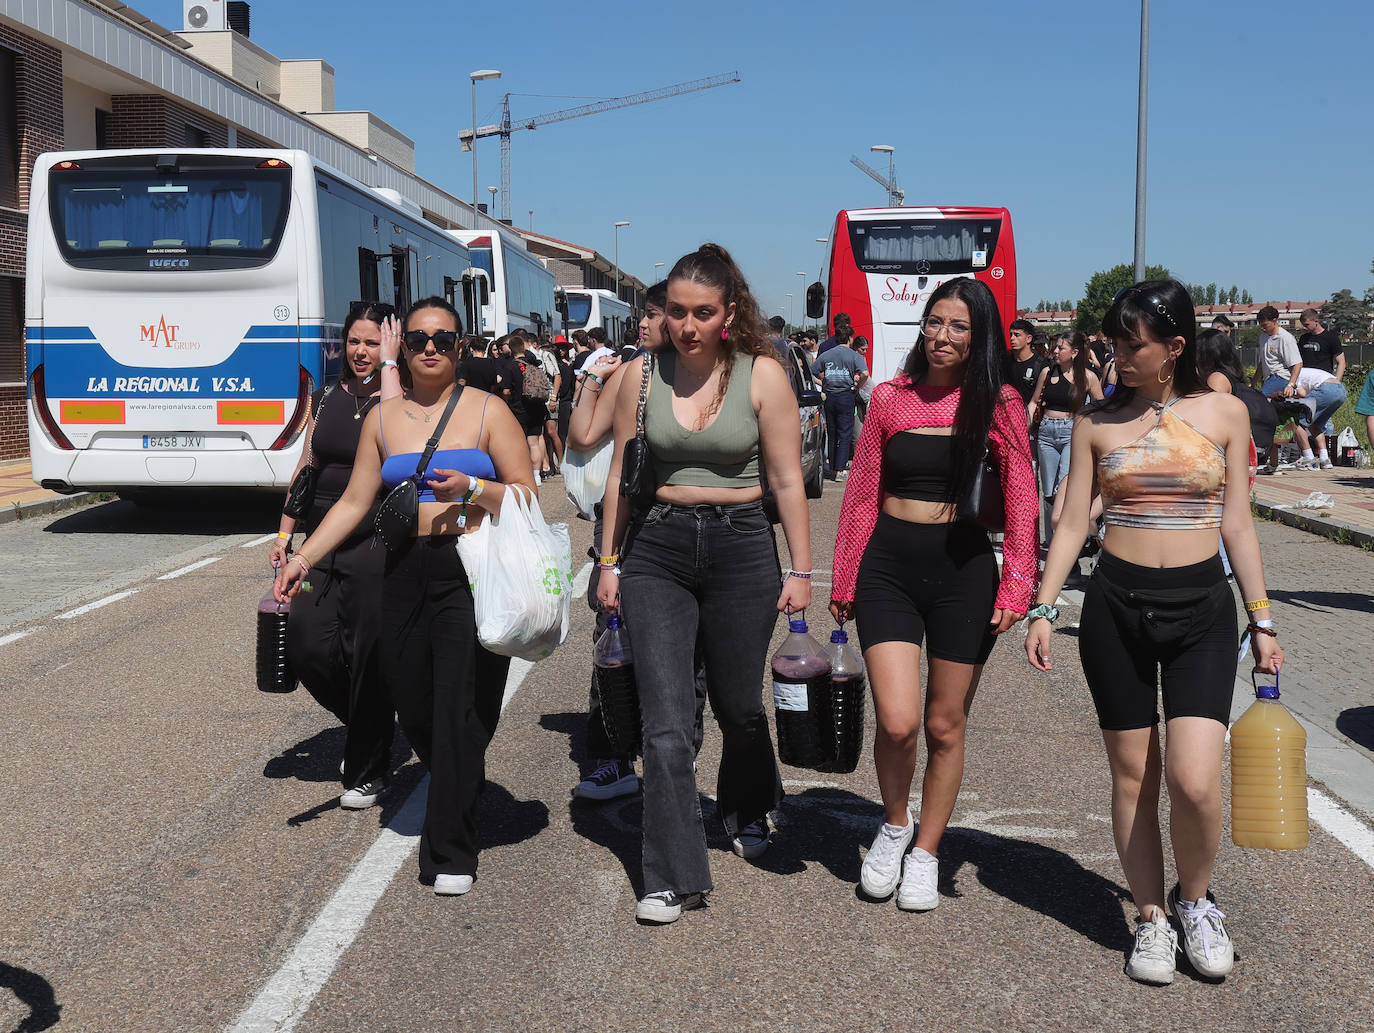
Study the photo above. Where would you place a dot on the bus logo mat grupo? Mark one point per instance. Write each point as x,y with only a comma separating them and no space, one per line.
165,333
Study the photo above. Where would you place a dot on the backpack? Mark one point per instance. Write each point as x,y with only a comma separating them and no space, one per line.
1264,417
537,385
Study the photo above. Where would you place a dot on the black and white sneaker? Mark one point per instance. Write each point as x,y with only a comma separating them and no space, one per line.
614,779
360,797
665,906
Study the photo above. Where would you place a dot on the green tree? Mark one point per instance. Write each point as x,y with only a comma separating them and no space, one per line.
1102,287
1246,298
1233,295
1211,294
1369,292
1346,313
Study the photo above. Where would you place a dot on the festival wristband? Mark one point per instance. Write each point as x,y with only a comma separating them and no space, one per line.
284,535
390,362
1259,629
1258,604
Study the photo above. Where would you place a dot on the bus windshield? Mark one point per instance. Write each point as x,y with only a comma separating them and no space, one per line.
579,310
929,246
138,218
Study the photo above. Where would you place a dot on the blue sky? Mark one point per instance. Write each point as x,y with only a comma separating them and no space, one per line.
1259,164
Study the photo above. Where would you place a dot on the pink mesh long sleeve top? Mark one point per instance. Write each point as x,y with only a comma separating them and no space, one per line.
897,406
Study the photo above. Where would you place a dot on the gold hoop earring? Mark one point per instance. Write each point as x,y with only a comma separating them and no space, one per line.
1165,380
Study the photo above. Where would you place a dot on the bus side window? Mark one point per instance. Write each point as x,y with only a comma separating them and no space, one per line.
367,275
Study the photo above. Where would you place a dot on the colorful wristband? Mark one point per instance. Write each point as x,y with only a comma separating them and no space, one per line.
1258,604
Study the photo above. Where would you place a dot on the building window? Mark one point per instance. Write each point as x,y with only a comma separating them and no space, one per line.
11,330
195,137
102,130
9,128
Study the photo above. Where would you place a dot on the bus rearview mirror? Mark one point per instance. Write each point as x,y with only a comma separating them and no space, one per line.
815,301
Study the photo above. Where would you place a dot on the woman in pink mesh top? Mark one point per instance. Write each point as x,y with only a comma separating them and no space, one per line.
906,565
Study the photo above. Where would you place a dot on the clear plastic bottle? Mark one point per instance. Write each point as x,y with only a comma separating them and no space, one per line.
842,714
801,684
615,685
273,665
1268,775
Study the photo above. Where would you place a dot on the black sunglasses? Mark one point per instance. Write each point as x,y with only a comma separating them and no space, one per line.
444,340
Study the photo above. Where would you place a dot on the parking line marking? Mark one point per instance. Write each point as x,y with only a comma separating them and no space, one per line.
95,605
1355,834
189,567
286,998
258,541
14,636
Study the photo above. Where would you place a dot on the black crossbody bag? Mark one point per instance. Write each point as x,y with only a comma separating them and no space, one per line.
984,503
400,510
302,489
636,464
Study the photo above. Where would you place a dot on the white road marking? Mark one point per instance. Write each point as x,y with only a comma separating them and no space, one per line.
189,567
95,605
1355,834
14,636
283,1002
258,541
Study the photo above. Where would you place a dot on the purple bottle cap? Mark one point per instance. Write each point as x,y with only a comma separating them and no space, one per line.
797,624
613,621
839,636
1267,692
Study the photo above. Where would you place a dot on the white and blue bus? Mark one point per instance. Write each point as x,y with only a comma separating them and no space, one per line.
595,306
181,307
522,293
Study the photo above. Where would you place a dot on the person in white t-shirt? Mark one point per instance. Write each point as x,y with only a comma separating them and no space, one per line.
1279,358
1322,394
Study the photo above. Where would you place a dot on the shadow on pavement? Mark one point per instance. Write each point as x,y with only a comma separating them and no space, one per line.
1356,602
312,760
190,511
1357,725
502,820
36,994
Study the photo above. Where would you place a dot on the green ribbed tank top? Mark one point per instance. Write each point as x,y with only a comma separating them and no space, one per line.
725,454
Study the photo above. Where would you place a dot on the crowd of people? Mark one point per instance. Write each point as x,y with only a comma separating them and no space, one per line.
1143,425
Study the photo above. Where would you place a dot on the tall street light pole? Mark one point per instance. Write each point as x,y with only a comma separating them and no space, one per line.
882,148
531,220
1142,118
617,257
791,311
479,75
822,241
492,208
802,289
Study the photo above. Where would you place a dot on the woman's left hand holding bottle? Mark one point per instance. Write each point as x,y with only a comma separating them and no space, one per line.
795,595
289,578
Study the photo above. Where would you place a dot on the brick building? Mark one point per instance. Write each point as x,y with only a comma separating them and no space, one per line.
575,265
82,74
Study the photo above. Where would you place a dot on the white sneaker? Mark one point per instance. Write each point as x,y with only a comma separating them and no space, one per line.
1152,954
665,906
1205,939
452,885
920,882
363,796
1326,463
1307,464
882,868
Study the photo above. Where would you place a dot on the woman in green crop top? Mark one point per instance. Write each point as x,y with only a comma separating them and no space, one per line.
702,559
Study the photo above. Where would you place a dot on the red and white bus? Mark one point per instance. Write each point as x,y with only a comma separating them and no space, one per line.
884,263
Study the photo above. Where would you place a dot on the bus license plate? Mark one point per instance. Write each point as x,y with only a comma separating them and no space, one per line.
173,440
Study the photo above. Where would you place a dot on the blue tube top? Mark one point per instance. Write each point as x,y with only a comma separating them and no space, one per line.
471,461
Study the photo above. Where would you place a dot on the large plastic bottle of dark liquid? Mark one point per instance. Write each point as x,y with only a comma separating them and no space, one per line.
274,669
801,687
842,714
615,686
1268,775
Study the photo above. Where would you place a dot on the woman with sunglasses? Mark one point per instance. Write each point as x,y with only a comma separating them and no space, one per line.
702,558
331,639
446,688
1170,459
1060,392
907,565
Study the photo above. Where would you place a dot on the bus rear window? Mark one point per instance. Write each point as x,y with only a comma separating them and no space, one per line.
931,246
138,218
579,310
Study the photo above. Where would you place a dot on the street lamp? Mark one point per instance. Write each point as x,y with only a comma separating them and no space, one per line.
531,220
617,257
1141,124
791,311
822,241
492,208
882,148
480,74
802,288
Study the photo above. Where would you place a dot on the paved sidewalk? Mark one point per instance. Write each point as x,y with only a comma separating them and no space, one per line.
20,497
1350,517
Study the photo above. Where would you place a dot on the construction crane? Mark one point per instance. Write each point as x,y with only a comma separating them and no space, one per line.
507,127
896,196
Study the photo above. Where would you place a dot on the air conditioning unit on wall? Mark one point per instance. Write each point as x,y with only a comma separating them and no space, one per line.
204,15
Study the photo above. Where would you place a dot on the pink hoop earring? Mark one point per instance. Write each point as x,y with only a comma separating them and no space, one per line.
725,334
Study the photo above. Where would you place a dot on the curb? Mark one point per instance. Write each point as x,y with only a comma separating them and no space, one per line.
1337,530
42,507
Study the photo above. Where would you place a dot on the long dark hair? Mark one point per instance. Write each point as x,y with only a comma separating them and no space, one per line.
373,312
1216,353
1078,390
1160,310
982,377
711,266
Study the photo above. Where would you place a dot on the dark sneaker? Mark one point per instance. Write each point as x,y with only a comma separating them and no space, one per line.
363,796
666,907
613,779
1205,939
752,840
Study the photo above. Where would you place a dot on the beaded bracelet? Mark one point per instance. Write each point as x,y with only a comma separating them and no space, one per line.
1255,629
305,563
805,575
1258,604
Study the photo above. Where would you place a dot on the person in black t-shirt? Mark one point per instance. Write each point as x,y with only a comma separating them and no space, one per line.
1319,347
478,369
1022,366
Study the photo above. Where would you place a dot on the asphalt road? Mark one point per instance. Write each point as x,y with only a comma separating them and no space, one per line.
175,860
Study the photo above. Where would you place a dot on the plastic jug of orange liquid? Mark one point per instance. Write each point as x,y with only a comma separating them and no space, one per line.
1268,775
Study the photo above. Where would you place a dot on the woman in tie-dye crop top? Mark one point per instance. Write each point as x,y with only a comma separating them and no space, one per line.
1170,459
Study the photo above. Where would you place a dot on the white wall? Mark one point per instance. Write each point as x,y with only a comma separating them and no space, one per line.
79,102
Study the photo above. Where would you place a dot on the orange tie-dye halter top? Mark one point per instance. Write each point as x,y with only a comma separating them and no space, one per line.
1171,477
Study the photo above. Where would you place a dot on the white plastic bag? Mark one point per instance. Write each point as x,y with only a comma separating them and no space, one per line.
585,473
520,570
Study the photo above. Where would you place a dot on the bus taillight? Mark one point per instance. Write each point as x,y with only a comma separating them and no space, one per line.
40,407
66,166
273,163
300,416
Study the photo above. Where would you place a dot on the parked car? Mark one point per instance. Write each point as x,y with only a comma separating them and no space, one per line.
812,428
